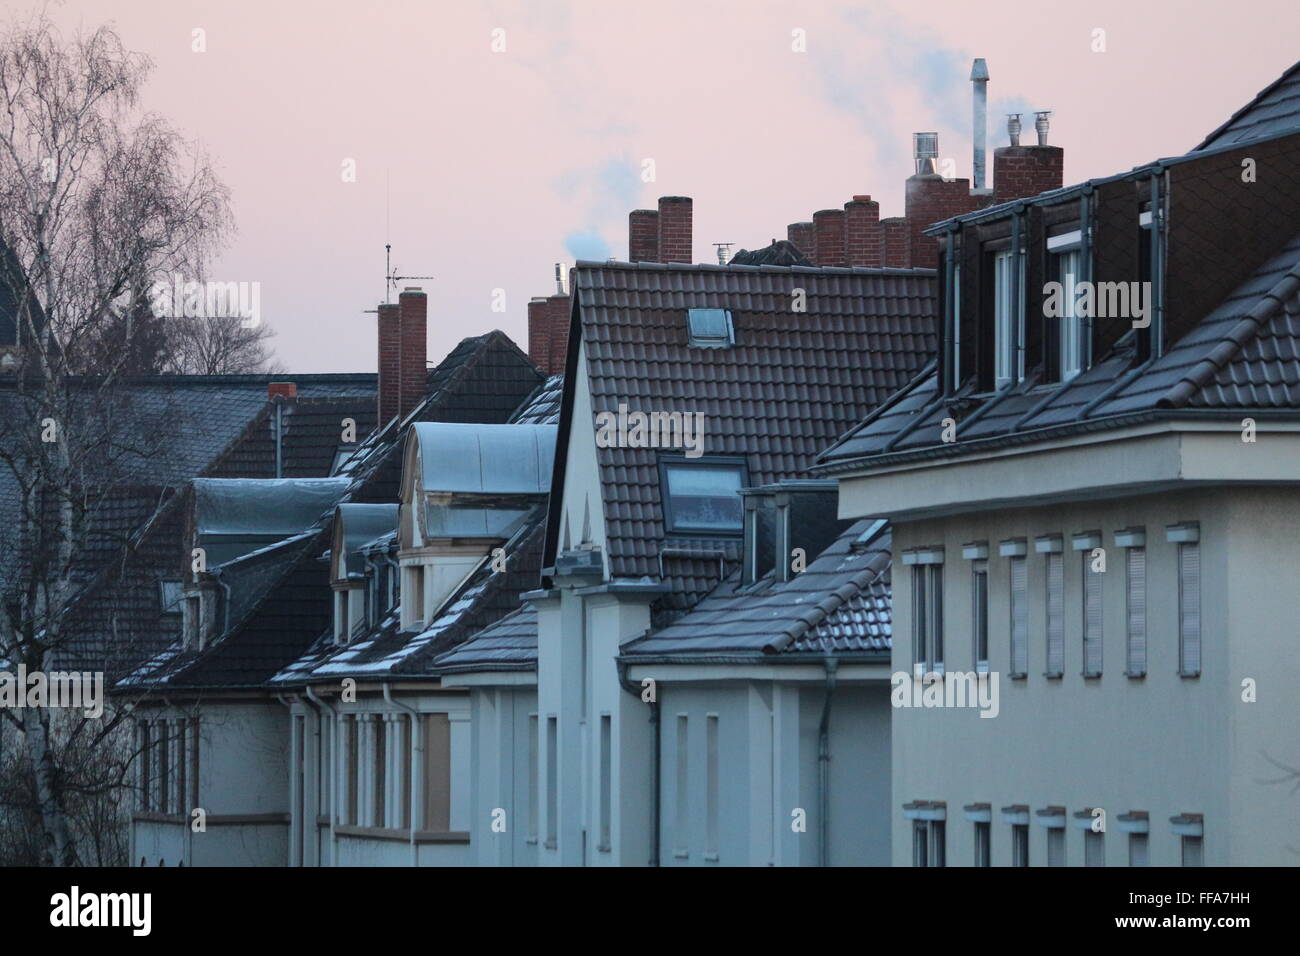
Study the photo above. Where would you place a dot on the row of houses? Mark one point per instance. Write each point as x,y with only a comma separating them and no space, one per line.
867,547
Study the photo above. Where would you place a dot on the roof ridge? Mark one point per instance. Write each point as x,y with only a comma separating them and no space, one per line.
1246,329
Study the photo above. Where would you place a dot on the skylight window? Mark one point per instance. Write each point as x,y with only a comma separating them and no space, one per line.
710,328
702,496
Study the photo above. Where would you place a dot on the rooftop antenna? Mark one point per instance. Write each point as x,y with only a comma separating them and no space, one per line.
391,278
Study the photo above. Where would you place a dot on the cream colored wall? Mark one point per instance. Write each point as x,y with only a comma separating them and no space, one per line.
1162,743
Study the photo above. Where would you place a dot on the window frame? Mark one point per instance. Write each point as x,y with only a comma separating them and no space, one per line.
668,462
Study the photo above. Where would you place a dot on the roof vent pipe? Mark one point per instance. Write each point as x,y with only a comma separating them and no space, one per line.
724,251
925,147
1013,128
1040,124
559,280
979,77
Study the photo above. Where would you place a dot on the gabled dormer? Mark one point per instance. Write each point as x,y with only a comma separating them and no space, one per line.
466,489
786,525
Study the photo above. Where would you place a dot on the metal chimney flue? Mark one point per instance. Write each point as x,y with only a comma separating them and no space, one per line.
1013,128
979,77
925,148
559,280
724,252
1041,125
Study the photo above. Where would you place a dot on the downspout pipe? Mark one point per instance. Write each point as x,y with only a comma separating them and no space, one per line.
824,767
417,760
656,760
335,757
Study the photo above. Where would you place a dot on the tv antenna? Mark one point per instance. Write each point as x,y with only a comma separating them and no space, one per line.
391,278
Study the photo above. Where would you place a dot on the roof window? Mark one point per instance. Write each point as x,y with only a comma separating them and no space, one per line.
710,328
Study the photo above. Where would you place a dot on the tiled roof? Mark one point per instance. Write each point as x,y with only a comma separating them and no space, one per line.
1274,111
543,406
793,382
509,644
483,599
839,604
1244,355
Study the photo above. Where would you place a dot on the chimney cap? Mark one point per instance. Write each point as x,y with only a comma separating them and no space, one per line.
412,290
979,70
862,198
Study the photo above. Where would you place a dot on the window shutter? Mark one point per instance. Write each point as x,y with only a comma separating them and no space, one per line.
919,609
1189,608
936,615
1055,614
1091,620
1137,611
1019,618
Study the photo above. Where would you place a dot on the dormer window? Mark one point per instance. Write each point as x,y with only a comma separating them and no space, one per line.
1067,355
1006,370
702,495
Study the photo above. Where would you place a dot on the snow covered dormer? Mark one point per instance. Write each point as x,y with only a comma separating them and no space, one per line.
465,490
355,578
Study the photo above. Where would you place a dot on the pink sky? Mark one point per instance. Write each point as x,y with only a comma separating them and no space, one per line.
500,164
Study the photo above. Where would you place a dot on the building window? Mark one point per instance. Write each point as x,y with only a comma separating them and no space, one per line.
533,780
682,844
920,843
711,795
1139,851
606,782
983,843
379,778
1189,608
980,614
552,783
1056,846
1136,604
1092,619
1055,586
1019,616
938,844
1004,339
437,773
927,618
163,758
1193,851
1094,848
1070,353
702,495
1020,844
710,328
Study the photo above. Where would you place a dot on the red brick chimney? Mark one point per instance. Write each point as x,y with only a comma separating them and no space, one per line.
828,237
283,389
643,235
1023,171
931,199
548,328
863,236
675,223
802,235
413,307
390,351
897,246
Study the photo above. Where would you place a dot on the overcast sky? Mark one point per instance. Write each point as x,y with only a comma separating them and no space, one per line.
484,168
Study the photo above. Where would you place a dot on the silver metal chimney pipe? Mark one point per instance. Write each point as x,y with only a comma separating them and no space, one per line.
1040,124
1013,128
559,280
925,149
979,77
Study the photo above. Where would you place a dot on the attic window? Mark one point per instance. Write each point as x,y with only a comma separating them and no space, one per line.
170,596
702,495
710,328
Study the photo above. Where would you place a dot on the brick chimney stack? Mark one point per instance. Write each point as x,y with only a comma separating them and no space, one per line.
1023,171
412,307
675,225
802,235
898,252
643,235
828,237
390,351
548,329
862,232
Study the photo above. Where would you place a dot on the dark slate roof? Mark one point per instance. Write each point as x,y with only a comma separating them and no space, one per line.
386,651
782,252
284,603
509,644
793,382
839,604
1244,355
543,406
1273,112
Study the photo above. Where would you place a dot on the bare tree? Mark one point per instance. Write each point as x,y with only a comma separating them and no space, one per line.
218,345
96,199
